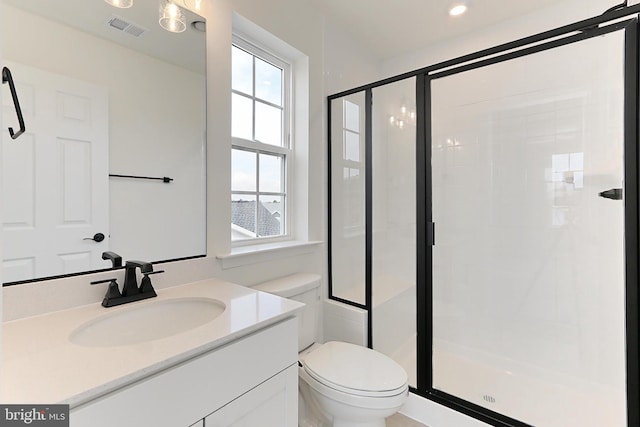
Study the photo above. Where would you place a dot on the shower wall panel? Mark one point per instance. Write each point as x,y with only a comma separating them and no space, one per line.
394,223
348,198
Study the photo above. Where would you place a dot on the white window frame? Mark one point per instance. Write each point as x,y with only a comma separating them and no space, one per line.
286,150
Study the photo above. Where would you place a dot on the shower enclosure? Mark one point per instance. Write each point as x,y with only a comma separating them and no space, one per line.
484,212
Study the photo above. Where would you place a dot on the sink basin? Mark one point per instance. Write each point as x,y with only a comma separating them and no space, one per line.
147,321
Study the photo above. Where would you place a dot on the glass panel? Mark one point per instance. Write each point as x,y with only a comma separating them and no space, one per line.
241,117
270,216
268,82
347,202
394,225
528,266
271,168
268,124
242,71
352,146
243,217
243,170
351,116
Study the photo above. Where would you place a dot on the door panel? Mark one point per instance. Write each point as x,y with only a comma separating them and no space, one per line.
528,266
55,177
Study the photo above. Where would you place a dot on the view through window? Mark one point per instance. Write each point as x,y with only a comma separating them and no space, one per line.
261,146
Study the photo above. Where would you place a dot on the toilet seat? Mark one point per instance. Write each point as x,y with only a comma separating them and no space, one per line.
353,400
355,370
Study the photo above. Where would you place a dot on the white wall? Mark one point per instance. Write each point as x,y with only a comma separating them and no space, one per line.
347,63
156,128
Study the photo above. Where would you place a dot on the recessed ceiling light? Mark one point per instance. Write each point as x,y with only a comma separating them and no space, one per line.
193,4
458,9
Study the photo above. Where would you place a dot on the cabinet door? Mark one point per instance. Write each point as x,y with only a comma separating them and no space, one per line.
272,403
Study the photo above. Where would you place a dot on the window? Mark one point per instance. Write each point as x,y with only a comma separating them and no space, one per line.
261,150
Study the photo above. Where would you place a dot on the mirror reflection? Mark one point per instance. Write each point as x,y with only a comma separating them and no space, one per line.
109,98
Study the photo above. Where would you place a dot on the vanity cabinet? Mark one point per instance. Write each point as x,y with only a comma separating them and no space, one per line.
252,380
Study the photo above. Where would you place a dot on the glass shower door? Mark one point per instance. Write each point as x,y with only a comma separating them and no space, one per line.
528,278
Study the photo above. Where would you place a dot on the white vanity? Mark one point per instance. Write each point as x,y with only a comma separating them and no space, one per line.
234,366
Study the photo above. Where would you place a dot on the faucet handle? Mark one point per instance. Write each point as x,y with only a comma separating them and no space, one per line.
113,291
145,285
97,282
153,272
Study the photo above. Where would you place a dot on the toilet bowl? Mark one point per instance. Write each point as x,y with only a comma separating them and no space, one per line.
340,384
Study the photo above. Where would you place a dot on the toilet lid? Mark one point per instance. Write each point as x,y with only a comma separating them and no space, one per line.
355,369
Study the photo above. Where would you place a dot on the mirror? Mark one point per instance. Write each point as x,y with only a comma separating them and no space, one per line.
109,99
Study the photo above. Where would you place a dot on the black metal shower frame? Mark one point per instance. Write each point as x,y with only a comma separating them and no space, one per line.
544,41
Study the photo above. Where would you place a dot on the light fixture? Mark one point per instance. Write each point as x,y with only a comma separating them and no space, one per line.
193,4
172,17
406,117
122,4
458,9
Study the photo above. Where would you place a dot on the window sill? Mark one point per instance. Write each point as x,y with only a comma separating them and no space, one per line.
245,255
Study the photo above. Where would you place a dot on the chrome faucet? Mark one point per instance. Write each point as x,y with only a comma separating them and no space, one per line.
130,290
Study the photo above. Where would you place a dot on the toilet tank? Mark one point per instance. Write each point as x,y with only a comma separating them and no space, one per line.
304,288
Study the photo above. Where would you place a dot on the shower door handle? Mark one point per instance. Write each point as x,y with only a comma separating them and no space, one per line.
613,194
431,233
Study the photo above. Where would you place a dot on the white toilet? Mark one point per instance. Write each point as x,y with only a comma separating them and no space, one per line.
341,384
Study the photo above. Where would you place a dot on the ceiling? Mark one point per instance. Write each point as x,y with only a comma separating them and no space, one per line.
91,16
393,27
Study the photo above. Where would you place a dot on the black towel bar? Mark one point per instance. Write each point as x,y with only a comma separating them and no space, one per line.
164,179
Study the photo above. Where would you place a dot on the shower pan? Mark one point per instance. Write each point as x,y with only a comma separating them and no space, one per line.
484,213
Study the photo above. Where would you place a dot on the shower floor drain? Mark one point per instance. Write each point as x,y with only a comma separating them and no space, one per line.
488,398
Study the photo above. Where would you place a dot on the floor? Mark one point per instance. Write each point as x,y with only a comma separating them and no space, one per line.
506,386
399,420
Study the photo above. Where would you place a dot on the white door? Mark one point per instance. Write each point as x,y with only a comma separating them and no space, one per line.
55,176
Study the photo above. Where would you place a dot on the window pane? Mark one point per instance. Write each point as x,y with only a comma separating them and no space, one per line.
268,124
271,173
243,217
242,70
351,146
243,170
351,116
241,117
268,82
270,216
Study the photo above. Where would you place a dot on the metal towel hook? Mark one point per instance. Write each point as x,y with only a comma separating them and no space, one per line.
6,77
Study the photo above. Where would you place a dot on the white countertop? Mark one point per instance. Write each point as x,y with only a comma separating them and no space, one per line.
41,366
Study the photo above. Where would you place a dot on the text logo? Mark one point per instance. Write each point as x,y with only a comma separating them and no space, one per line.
34,415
